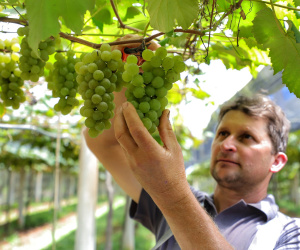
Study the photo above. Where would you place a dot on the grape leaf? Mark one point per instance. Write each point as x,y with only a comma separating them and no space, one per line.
284,51
73,12
131,13
163,13
297,2
101,18
43,21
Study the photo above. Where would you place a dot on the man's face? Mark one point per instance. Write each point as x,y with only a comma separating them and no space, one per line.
241,152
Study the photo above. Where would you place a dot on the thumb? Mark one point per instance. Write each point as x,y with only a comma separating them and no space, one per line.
166,132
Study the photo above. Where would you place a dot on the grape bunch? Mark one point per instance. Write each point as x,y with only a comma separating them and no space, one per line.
32,64
11,84
99,75
62,81
148,85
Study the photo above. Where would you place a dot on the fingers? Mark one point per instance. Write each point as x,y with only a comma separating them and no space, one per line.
166,132
137,129
122,133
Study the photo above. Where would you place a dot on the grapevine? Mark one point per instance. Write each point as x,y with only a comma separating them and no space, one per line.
11,92
148,85
62,82
99,75
32,64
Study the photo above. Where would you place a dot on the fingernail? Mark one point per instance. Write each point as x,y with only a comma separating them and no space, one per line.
168,113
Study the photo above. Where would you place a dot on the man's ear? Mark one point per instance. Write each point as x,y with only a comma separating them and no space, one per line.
279,162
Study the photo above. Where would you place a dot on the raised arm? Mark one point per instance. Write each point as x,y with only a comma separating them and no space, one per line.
161,172
109,152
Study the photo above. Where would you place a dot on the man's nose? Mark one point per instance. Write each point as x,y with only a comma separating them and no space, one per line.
228,144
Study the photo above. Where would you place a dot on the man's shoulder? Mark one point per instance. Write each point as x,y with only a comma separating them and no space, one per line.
200,195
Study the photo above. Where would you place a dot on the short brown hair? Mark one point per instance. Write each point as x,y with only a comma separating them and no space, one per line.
261,106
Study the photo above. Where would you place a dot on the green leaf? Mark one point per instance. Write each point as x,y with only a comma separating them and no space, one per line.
131,12
297,2
163,13
199,94
43,20
73,12
284,51
295,30
101,18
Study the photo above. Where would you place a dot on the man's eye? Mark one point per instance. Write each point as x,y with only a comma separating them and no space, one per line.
247,136
222,133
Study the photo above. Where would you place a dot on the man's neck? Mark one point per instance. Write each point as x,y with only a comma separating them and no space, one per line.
225,198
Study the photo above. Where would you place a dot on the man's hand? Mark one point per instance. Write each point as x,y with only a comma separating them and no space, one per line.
160,170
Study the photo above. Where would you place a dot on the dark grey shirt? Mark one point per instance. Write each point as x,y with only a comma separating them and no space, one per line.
238,223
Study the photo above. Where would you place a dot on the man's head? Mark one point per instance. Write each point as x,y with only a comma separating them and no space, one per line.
249,144
261,106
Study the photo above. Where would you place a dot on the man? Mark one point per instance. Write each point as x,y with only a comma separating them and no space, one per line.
248,148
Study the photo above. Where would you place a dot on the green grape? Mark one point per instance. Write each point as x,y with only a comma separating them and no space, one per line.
132,59
155,104
168,85
158,72
147,67
116,55
98,75
96,99
168,63
147,77
105,47
137,80
157,82
161,92
156,61
144,107
152,115
126,76
92,67
106,56
113,65
102,106
150,91
161,52
93,132
179,66
147,122
138,92
132,69
147,54
172,76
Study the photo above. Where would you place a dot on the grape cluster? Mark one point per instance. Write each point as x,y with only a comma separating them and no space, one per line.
11,84
147,89
99,75
62,81
32,64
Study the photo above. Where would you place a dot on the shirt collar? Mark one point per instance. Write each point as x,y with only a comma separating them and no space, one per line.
267,206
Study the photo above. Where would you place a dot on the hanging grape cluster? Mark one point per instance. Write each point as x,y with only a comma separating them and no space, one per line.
62,81
147,89
32,64
11,84
99,75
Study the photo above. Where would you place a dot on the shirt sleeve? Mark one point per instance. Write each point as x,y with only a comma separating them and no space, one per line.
146,212
290,238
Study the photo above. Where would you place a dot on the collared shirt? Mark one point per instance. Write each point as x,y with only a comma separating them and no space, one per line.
238,223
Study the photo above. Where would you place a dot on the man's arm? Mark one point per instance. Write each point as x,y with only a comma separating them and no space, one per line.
161,172
108,151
